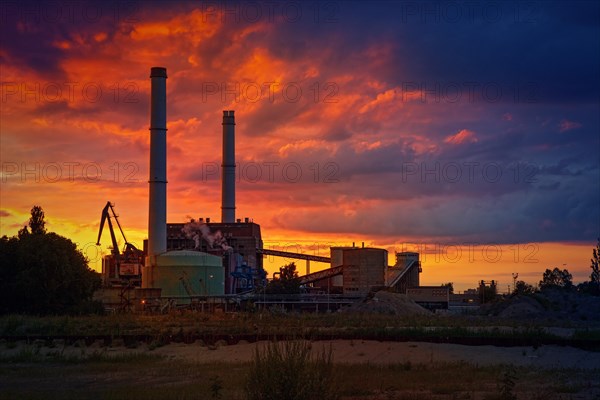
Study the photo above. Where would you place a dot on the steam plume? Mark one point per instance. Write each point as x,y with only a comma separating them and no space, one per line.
197,230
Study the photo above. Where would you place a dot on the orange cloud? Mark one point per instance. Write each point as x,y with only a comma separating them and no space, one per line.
366,115
464,136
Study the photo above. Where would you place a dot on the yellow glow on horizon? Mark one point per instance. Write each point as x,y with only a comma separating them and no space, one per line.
465,267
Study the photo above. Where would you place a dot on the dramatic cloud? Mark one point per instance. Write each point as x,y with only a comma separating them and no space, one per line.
391,121
463,136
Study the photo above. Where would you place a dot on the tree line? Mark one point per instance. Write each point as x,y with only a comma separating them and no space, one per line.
558,279
44,273
562,279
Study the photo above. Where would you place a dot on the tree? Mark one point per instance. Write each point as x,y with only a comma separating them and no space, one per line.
450,286
595,275
556,278
44,273
36,222
522,287
287,282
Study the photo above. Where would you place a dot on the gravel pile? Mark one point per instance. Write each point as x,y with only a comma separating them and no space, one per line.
522,307
388,303
549,304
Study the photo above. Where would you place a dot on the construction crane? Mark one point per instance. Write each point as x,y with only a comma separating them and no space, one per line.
128,263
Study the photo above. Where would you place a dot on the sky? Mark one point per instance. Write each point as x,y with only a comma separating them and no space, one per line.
467,131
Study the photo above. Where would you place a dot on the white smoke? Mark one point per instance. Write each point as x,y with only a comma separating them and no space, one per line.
192,231
196,230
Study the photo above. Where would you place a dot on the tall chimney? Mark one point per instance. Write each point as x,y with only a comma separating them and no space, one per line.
157,210
228,169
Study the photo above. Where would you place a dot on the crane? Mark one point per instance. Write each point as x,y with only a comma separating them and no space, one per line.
129,262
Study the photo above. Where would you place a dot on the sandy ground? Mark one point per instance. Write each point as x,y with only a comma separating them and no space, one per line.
361,351
358,351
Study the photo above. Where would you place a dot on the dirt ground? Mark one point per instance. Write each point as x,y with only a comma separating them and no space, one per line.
358,352
352,352
184,371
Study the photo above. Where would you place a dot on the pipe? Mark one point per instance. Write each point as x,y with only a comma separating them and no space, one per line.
228,169
157,207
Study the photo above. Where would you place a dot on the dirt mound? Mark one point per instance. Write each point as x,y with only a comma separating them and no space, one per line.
568,304
522,307
388,303
550,304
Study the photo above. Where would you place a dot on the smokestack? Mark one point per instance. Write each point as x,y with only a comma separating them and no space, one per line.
157,211
228,169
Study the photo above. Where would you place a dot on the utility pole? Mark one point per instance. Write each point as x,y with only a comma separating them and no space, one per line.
515,276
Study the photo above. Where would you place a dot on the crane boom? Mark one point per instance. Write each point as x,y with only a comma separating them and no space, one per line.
130,258
105,218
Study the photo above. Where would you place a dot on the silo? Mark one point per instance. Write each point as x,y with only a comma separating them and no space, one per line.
364,268
184,273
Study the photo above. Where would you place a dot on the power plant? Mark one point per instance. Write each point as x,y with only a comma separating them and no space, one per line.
200,261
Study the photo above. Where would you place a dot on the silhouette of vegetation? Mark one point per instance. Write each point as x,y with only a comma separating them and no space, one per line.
36,222
595,275
450,286
556,278
216,386
44,273
592,287
522,287
289,371
286,281
507,384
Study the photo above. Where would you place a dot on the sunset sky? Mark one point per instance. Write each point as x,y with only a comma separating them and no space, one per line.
466,131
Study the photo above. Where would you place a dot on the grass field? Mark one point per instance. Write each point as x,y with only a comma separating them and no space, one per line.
270,324
148,377
74,369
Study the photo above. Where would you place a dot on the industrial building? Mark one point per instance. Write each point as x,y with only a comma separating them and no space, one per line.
202,258
405,273
360,270
430,297
242,260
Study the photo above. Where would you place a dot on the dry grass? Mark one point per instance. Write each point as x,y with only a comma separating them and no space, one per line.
155,378
184,324
289,370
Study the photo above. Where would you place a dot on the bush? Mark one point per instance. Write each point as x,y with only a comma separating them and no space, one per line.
289,371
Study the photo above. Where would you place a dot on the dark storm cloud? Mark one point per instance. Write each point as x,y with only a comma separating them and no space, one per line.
548,50
397,163
32,30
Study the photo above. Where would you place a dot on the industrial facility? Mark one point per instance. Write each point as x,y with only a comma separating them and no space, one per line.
200,261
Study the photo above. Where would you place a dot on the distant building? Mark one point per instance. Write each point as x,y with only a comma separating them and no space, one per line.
363,268
244,240
430,297
405,273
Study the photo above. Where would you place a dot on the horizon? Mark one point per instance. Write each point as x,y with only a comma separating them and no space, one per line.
354,124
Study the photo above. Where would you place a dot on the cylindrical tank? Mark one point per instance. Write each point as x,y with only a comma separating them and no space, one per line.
189,273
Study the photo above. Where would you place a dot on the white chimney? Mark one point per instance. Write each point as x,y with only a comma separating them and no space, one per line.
228,169
157,211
